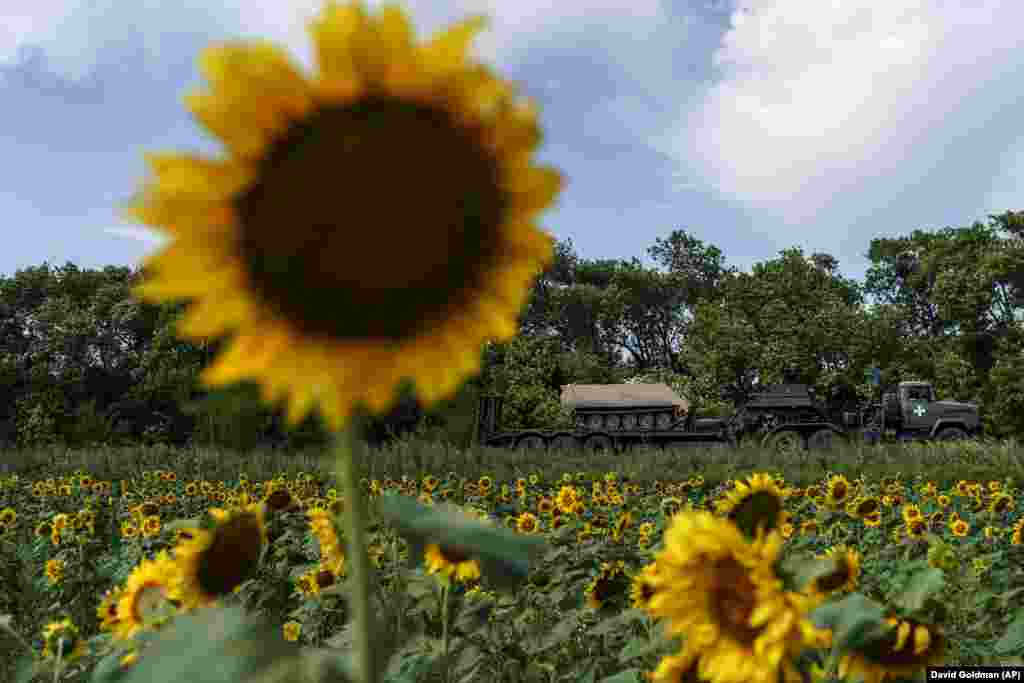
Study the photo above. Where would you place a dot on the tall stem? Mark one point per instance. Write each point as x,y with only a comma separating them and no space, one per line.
355,531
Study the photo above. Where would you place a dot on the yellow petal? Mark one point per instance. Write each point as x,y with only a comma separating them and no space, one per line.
177,216
237,71
192,177
922,639
901,635
533,190
214,316
447,51
332,35
242,137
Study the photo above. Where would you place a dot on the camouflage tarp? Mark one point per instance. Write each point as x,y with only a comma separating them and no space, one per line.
622,396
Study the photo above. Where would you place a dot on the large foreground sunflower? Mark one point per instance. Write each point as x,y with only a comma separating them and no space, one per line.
721,593
373,223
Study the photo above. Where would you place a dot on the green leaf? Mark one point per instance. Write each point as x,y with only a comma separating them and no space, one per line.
223,646
1013,640
806,569
627,676
639,647
504,556
922,585
855,621
561,632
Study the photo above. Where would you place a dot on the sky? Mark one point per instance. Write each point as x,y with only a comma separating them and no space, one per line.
754,125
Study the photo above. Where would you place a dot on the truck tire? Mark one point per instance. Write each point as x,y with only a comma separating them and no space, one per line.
822,440
531,442
597,443
786,443
951,434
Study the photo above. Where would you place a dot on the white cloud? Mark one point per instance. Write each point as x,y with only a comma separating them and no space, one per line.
138,234
75,35
814,96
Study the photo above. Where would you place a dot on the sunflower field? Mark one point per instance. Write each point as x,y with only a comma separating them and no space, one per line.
632,576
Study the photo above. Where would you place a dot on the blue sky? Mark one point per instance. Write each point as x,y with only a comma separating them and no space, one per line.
756,125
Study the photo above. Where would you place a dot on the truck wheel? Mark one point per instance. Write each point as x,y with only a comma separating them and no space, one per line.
599,443
786,443
531,442
564,442
822,440
951,434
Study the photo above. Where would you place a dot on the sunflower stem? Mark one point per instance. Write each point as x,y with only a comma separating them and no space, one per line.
445,589
355,531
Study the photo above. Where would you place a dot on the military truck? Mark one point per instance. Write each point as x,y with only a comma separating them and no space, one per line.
785,418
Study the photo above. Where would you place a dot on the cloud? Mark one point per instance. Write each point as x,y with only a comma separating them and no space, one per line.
78,35
138,234
813,98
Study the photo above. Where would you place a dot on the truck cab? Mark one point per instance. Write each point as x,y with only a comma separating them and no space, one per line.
914,412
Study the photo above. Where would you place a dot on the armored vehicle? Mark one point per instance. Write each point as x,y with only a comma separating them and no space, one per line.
607,417
785,418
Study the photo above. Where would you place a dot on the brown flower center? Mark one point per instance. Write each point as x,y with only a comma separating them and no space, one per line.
761,509
231,556
733,601
350,188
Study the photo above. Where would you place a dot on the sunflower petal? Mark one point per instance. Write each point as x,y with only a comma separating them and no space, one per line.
243,138
237,70
447,51
180,216
192,177
332,35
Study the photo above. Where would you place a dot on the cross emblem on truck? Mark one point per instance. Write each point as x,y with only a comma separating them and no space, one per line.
920,410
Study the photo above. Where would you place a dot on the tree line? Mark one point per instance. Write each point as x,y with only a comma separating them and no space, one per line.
84,363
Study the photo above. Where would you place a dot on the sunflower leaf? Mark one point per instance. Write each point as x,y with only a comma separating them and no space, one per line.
504,556
921,586
223,646
803,571
855,621
1013,640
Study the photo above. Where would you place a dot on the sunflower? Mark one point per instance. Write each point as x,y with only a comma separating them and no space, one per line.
451,563
527,523
670,506
1000,503
838,489
106,611
755,506
960,528
291,630
54,571
720,592
147,587
566,498
63,637
866,505
845,574
392,143
216,561
910,513
151,526
643,586
916,528
907,649
606,586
